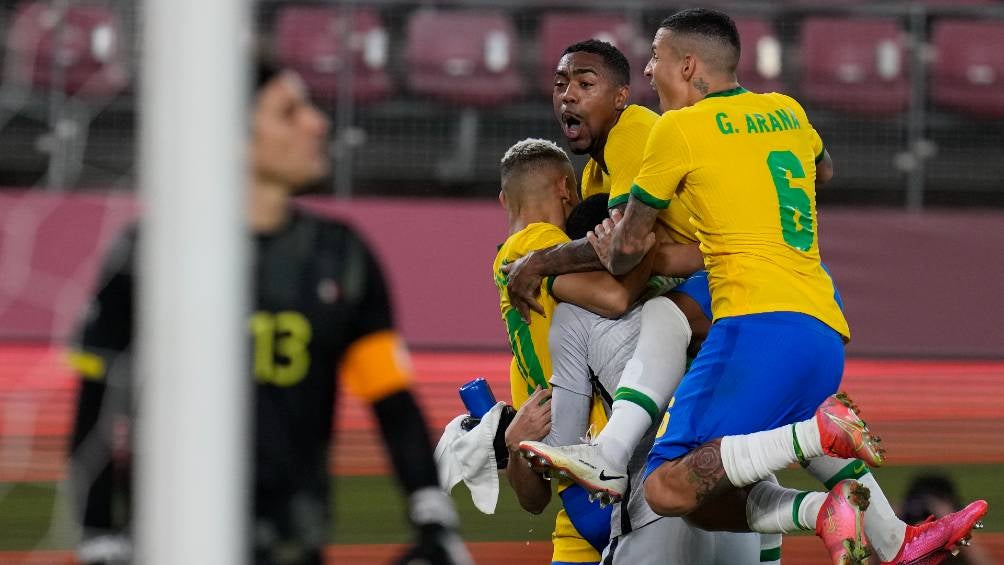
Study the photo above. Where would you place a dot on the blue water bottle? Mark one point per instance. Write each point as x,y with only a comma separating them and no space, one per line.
478,399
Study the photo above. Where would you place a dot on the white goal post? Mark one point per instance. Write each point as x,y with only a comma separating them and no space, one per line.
192,447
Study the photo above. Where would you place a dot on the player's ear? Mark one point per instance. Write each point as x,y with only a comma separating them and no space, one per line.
688,66
566,187
621,97
502,198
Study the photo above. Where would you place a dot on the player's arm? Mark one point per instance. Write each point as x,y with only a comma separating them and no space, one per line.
672,259
667,160
677,259
101,362
602,293
824,168
532,423
526,274
376,369
824,164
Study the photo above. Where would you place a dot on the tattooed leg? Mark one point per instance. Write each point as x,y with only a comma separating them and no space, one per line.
680,486
706,472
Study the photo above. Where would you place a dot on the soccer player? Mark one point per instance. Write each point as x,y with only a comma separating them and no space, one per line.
321,309
745,165
590,102
589,352
595,120
538,191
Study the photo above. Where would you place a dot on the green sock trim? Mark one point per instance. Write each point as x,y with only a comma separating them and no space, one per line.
633,396
853,470
768,555
794,510
798,448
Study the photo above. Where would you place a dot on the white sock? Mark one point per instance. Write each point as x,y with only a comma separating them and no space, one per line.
884,529
773,509
649,379
752,457
770,549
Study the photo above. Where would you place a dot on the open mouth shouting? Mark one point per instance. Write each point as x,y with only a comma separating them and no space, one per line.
571,126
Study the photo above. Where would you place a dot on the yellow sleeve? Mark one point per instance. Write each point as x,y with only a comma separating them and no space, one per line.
667,161
541,236
624,158
376,366
593,181
815,141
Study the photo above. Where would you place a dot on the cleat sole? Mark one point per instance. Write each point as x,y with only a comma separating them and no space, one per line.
594,491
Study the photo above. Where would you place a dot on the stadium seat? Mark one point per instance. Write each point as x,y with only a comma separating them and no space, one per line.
968,74
310,40
760,64
558,30
89,46
854,65
463,56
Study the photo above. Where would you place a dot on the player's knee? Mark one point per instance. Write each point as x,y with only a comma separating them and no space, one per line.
666,493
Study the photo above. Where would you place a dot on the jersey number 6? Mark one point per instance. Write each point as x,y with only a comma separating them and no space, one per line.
795,206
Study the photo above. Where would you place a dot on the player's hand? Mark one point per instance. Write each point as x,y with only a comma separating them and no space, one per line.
524,285
602,236
437,545
532,421
602,239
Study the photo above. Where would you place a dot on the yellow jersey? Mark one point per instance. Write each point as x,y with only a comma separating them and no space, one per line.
744,166
622,154
531,364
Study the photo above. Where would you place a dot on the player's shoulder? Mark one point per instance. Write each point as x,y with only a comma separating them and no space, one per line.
628,137
538,235
636,117
785,101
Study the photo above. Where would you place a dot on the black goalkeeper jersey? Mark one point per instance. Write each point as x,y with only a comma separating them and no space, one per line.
317,290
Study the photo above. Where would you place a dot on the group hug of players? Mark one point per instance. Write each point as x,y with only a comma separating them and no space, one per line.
661,428
609,285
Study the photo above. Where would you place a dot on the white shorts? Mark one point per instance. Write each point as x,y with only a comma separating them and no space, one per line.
671,541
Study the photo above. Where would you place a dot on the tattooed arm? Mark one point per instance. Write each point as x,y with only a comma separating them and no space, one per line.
526,274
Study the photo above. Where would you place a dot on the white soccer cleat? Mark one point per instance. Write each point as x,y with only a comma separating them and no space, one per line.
583,463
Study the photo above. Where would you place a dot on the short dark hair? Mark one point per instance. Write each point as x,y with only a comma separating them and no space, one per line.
586,215
613,59
265,70
709,24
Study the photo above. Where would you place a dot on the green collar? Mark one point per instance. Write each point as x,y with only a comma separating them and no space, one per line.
729,92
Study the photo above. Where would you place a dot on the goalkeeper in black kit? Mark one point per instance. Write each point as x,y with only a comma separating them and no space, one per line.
321,320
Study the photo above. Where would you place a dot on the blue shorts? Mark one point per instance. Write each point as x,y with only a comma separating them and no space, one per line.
696,287
589,519
754,373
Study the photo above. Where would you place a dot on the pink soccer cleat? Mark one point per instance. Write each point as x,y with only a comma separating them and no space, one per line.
841,525
844,434
935,540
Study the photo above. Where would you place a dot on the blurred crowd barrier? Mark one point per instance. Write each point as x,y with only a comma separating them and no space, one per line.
426,96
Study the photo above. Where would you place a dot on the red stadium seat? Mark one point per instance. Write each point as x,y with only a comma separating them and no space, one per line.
969,72
760,63
89,45
465,57
310,40
558,30
854,65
